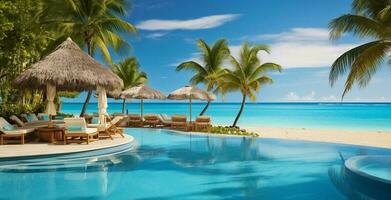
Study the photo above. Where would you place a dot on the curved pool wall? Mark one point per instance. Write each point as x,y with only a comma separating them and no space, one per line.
167,165
46,160
370,174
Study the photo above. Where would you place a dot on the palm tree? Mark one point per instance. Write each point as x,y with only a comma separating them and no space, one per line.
213,59
94,25
370,19
248,74
129,71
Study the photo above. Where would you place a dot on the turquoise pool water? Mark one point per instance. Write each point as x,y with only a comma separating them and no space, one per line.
167,166
370,116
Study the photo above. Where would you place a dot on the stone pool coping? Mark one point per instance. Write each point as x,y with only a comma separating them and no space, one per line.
45,149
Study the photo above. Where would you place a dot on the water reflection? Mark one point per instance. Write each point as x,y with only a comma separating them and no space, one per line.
352,186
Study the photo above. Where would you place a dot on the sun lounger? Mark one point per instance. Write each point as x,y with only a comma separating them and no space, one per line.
77,131
165,120
179,122
10,132
114,128
110,128
202,123
33,124
135,120
46,117
151,120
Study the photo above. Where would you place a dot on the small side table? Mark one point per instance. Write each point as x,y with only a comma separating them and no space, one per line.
190,126
52,134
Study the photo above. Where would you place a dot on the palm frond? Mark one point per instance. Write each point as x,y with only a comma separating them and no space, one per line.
358,25
366,64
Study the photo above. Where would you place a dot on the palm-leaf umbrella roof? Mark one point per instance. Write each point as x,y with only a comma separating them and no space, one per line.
142,92
68,68
191,92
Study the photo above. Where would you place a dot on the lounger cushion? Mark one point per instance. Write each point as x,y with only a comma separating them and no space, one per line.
76,128
59,117
31,117
45,117
95,120
19,131
8,127
86,131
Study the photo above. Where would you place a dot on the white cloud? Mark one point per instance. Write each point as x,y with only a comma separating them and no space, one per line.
330,98
300,47
156,35
309,97
206,22
292,96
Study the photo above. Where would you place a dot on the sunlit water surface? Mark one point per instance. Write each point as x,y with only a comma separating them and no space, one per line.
167,165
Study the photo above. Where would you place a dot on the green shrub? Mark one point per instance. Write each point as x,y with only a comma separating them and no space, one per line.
230,131
6,110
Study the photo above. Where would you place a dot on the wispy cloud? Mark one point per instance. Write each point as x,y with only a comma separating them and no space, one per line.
300,47
206,22
292,96
156,35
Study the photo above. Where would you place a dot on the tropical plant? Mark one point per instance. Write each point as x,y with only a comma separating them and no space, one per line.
95,25
369,19
211,69
248,74
129,71
22,42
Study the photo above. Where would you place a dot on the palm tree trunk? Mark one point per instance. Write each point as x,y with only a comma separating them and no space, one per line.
240,111
85,105
205,108
123,106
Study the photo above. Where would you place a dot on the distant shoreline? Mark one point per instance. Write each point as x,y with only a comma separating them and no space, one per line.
381,139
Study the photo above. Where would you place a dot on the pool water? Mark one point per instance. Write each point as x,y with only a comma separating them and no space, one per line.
167,165
378,170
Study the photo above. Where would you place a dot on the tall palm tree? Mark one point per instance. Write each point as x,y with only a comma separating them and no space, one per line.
129,71
248,74
213,59
94,25
369,19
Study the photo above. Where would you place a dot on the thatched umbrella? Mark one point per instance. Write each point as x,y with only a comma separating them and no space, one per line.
190,93
68,68
142,92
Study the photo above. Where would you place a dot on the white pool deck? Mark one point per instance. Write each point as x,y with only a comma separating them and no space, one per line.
40,149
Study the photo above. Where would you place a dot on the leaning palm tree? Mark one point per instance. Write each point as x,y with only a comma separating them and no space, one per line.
213,59
129,71
95,25
248,74
369,19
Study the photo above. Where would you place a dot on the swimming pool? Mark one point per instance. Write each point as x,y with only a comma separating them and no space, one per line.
168,165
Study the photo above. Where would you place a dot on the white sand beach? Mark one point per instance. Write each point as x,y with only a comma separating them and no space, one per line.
366,138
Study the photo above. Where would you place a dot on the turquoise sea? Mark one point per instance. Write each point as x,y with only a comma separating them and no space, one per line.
357,116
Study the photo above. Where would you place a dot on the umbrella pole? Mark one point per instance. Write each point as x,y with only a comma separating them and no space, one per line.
142,109
190,107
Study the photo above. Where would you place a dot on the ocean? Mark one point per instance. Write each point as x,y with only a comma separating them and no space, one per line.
356,116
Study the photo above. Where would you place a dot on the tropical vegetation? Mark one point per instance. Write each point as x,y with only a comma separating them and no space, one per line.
22,42
248,75
230,131
211,68
96,25
129,71
369,19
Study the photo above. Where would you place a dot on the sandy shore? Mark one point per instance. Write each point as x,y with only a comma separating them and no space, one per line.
365,138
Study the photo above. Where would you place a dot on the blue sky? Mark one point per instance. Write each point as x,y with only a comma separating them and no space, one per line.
296,30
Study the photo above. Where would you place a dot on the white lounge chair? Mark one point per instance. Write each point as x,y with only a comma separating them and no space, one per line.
76,131
34,124
12,133
110,128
